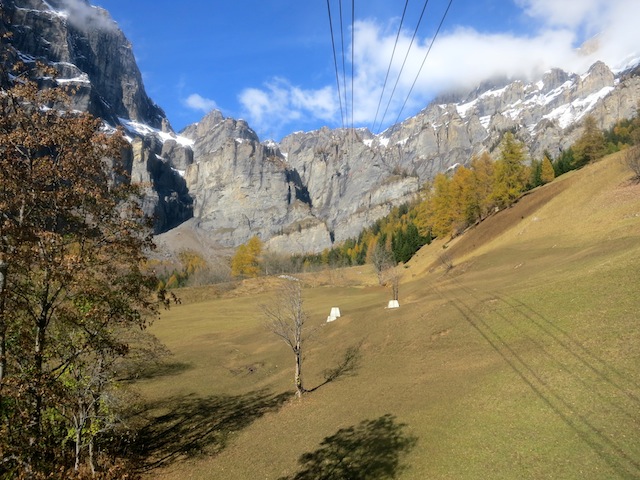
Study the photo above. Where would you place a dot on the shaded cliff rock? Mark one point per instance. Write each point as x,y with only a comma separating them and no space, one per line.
89,51
167,197
93,57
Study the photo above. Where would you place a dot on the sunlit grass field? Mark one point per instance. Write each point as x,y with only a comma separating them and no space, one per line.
521,361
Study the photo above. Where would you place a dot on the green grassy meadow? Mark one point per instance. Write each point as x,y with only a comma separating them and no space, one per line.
520,362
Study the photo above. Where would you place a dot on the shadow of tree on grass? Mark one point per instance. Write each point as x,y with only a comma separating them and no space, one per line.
183,427
162,369
346,367
371,450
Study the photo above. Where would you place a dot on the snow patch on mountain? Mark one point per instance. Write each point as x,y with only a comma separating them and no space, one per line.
83,78
143,130
50,11
570,113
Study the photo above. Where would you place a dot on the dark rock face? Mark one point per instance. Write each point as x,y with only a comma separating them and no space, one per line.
94,58
314,188
89,52
169,201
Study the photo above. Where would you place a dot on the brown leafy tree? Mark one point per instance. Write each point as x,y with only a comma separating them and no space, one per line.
72,242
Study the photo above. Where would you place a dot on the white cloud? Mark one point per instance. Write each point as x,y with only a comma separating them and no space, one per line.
566,13
461,58
87,17
280,103
198,102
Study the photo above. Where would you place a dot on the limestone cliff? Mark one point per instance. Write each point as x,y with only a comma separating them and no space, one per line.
316,188
94,58
313,188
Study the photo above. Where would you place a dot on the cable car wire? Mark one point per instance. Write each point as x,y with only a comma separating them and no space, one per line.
335,62
424,60
344,68
403,64
393,53
353,49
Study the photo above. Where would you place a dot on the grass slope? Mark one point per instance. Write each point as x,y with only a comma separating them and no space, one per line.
520,362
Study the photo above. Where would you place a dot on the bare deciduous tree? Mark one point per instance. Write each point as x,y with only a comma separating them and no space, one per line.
447,261
382,260
286,318
392,276
632,159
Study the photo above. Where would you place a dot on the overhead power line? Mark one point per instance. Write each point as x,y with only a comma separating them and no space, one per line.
415,32
344,68
346,98
353,49
393,53
335,63
424,60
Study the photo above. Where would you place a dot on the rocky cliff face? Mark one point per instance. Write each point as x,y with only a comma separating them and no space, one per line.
89,51
312,189
301,196
93,56
544,115
316,188
241,187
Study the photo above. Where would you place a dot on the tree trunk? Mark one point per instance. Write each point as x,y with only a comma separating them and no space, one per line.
78,440
91,460
298,376
3,321
37,381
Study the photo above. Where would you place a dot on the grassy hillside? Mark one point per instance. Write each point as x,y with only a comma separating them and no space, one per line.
522,361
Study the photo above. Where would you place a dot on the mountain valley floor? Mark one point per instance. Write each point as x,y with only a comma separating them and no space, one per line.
520,361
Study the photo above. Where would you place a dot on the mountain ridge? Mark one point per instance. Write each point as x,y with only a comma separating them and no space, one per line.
354,177
311,189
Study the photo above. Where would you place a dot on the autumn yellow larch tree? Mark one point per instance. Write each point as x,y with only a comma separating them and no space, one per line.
547,174
246,261
510,173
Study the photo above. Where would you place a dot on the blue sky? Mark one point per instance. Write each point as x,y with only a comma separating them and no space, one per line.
271,61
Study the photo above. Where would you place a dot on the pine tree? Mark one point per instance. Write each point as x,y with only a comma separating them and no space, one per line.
536,174
564,163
